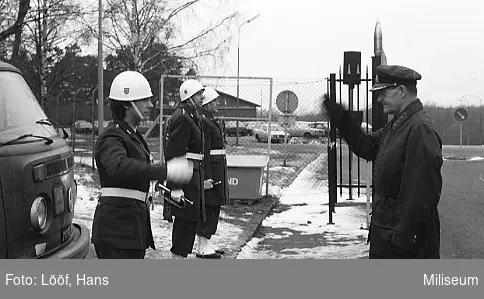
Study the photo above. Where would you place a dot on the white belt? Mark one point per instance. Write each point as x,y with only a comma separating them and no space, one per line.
122,192
195,156
217,152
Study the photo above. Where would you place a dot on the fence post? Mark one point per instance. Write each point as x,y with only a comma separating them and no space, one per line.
332,168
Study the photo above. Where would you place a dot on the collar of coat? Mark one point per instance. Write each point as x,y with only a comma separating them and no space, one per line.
410,110
208,114
135,135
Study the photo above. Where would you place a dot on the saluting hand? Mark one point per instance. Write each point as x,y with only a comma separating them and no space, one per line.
179,170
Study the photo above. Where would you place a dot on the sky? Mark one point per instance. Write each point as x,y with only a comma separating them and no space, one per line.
305,40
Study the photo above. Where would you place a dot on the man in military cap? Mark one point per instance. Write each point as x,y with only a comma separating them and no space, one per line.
407,155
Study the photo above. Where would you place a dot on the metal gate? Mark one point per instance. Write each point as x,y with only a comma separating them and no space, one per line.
346,171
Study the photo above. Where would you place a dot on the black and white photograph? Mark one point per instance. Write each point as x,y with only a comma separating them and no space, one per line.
203,130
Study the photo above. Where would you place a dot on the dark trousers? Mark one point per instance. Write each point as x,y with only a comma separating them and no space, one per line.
208,227
183,236
108,252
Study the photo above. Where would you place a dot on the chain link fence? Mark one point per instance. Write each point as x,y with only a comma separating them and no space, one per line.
247,105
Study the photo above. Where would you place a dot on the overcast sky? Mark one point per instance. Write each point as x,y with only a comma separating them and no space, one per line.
291,40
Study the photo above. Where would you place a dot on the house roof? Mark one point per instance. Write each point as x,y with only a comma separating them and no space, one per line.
240,99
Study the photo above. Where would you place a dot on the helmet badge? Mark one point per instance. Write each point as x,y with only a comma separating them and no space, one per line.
126,90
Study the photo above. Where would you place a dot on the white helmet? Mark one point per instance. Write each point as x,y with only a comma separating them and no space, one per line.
210,94
130,86
189,88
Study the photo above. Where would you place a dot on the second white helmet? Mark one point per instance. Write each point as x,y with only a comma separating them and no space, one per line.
130,86
189,88
209,94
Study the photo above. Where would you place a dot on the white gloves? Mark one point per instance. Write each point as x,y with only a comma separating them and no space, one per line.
177,194
208,184
179,170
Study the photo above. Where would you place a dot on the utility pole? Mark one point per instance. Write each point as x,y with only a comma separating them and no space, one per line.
100,79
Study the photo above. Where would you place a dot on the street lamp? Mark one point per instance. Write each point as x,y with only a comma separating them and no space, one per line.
480,116
238,72
468,111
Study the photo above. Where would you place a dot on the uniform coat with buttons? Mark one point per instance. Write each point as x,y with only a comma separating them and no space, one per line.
407,155
215,165
185,135
123,161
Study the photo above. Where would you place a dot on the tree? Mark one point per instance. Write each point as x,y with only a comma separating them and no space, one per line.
49,30
15,28
136,27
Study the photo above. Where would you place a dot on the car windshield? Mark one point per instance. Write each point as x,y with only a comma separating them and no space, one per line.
18,106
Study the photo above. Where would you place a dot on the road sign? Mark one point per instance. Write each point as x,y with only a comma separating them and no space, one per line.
286,120
460,114
286,101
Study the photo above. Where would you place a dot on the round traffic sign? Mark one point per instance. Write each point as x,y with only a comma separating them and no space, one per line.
286,101
460,114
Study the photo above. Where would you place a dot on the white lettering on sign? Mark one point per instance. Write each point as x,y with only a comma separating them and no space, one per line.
233,181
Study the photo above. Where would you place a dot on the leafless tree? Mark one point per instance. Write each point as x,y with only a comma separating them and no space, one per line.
135,25
12,25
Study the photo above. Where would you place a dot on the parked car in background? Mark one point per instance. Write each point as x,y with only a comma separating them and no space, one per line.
304,130
261,133
320,125
83,127
231,129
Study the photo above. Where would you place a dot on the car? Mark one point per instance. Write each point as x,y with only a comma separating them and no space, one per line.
231,129
277,133
37,187
320,125
304,130
83,127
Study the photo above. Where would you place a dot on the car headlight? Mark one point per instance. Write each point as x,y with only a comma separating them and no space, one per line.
38,213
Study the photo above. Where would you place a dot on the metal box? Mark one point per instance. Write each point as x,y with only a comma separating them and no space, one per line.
245,174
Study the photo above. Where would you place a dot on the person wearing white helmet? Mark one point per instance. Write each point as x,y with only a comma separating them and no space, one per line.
185,137
215,170
121,227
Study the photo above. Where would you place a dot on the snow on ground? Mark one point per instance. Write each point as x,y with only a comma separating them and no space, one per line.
307,198
87,198
476,159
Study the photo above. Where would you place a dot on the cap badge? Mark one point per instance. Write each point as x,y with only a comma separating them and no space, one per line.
126,90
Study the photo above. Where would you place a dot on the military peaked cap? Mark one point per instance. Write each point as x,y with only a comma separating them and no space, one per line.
394,75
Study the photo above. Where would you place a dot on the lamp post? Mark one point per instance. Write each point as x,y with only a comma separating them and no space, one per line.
468,111
238,72
100,78
480,115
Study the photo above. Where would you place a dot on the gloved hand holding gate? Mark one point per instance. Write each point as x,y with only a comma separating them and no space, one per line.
335,111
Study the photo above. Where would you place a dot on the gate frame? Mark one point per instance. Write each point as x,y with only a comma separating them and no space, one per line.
379,119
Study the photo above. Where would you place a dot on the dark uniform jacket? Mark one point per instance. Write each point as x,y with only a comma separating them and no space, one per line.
123,161
407,155
215,165
185,135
